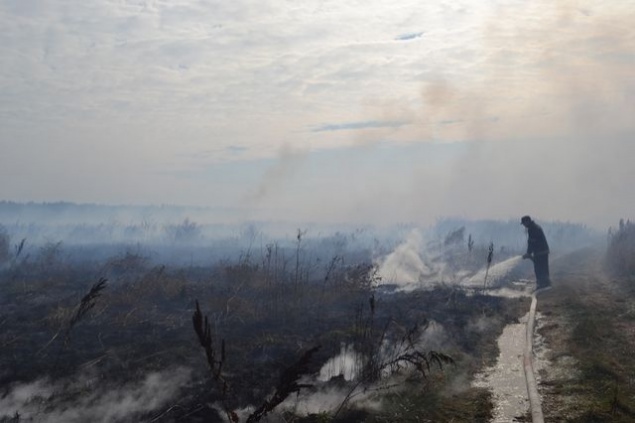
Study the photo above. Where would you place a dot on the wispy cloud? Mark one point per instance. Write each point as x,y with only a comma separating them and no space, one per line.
348,126
409,36
237,149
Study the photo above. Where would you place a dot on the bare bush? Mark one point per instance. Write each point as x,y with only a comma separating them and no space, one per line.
184,232
287,384
50,255
455,237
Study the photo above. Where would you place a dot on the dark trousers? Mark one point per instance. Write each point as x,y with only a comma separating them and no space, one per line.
541,268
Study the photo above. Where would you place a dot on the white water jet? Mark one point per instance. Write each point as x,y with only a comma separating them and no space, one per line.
495,275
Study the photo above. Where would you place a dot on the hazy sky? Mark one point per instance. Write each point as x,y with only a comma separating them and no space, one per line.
359,111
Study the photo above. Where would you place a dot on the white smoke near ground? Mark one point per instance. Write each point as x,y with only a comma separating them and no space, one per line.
346,364
404,266
415,264
83,400
321,397
329,398
434,338
339,378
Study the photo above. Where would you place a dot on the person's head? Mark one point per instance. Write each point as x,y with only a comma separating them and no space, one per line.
525,221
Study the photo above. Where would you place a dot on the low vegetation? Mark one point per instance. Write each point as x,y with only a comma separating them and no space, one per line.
620,254
591,334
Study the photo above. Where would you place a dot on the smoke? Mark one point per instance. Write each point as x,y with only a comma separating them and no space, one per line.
82,399
329,398
404,266
287,163
415,264
434,338
553,115
346,364
532,115
543,100
328,395
541,62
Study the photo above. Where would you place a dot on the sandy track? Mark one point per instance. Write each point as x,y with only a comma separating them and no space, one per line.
512,379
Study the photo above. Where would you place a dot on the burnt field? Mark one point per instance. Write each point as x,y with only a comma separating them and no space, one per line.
186,323
305,330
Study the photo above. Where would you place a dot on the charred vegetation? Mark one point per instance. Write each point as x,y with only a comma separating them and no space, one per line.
254,317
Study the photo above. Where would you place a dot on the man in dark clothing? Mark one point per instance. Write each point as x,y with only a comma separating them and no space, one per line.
537,251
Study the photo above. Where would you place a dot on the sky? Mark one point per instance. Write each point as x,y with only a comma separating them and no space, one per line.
330,111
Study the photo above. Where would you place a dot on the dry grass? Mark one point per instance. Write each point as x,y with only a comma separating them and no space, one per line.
287,384
620,254
86,304
587,315
78,313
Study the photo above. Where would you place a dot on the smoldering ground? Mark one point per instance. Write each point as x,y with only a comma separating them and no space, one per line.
143,320
84,398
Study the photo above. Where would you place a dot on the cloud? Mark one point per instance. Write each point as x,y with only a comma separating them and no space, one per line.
409,36
192,73
358,125
237,149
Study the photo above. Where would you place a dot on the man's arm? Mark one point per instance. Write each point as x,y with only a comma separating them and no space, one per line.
529,250
530,242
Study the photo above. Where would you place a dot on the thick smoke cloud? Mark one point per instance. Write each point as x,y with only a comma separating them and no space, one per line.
549,113
534,113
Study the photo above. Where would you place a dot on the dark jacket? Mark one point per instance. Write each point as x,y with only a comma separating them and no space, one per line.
536,241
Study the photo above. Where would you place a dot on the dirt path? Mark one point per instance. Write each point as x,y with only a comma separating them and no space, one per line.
586,343
506,379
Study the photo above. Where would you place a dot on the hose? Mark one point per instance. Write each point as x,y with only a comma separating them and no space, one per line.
532,387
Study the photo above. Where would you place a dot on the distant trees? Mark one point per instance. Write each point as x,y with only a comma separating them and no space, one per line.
455,237
186,231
